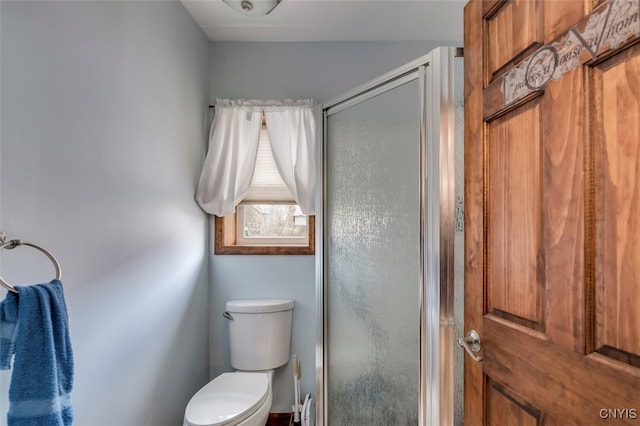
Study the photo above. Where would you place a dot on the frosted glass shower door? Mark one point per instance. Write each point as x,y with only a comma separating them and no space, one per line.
372,260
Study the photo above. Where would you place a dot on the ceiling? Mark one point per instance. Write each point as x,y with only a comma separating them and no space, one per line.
334,20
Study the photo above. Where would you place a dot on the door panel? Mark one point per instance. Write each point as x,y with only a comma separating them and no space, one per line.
563,121
507,409
617,87
510,31
514,207
552,223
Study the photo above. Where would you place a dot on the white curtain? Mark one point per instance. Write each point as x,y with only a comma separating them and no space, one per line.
292,128
233,145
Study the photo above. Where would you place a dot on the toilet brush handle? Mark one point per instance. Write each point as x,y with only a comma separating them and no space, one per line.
296,406
296,390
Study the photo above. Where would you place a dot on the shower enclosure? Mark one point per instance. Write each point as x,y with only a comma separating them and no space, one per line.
390,234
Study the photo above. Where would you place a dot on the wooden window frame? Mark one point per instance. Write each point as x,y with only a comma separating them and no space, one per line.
225,240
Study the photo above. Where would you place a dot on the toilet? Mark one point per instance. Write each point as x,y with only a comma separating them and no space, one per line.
259,341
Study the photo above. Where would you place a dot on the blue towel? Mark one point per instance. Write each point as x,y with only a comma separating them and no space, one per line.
35,328
8,322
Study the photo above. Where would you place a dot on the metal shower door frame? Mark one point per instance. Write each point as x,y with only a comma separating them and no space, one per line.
437,86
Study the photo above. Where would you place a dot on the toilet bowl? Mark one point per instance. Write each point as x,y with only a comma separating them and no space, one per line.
259,342
238,399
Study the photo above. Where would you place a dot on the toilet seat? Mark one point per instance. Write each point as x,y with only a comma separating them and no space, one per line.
227,399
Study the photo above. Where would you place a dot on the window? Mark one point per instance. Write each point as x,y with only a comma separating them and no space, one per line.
267,221
226,240
271,224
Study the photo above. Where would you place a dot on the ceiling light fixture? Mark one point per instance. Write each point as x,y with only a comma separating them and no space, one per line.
253,7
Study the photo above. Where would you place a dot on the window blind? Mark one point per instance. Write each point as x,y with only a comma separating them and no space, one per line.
267,184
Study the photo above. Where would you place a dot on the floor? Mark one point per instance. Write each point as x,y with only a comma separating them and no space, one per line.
279,419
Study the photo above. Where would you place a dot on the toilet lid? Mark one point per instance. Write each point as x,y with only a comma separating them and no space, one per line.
228,398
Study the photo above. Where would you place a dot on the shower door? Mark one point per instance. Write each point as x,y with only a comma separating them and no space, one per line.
386,287
373,254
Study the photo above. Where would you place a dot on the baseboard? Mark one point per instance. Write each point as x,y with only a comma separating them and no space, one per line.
278,419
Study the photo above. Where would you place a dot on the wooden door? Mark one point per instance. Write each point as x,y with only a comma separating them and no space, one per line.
552,220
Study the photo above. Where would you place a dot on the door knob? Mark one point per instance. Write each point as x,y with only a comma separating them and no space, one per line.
471,344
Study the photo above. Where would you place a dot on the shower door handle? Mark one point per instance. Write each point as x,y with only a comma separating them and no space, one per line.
471,344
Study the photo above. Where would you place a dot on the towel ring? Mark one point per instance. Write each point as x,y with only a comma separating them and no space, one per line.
15,243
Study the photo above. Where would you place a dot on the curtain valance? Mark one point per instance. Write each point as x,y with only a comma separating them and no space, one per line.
233,146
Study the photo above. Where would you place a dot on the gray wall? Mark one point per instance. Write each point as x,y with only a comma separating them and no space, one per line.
320,70
102,139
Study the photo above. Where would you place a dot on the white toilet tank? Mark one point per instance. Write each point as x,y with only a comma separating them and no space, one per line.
259,333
